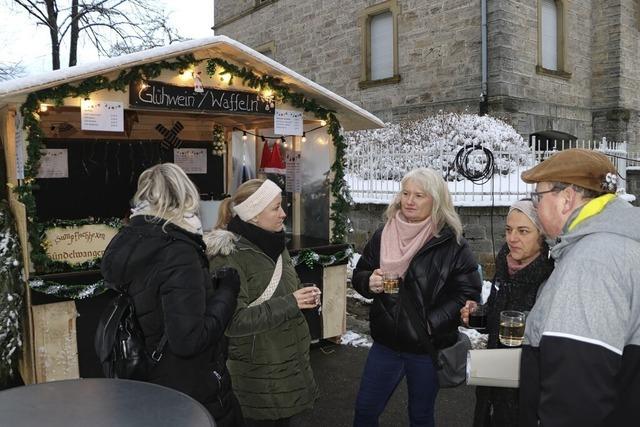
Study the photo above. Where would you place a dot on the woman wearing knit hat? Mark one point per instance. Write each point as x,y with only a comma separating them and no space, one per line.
268,336
522,266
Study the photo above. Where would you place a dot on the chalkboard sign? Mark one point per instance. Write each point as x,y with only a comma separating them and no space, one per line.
103,176
153,94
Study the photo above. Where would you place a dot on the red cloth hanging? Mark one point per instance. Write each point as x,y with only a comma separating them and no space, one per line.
271,160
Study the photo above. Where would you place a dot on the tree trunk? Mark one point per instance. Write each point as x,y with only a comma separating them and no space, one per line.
52,21
75,33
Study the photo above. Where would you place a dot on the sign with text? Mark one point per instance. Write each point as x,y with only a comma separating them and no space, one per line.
287,122
54,163
104,116
154,94
294,173
75,245
191,160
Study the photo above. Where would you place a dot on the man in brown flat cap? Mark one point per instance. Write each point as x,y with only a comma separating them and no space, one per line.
581,354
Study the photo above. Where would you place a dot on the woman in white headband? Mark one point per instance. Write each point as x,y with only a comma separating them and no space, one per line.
268,336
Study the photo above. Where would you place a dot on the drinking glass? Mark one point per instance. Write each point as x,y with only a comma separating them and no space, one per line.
511,330
391,283
317,296
478,317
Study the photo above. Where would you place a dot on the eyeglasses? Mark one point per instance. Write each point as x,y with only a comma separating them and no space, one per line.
536,196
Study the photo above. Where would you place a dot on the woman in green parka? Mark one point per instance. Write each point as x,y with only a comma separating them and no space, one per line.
268,335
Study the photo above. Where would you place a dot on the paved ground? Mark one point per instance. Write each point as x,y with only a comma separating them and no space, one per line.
338,368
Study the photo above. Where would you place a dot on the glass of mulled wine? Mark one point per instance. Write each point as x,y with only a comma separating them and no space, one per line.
478,317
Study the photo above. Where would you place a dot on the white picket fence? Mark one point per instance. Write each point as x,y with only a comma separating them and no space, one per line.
374,183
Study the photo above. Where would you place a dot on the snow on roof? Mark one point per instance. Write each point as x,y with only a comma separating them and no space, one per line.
350,115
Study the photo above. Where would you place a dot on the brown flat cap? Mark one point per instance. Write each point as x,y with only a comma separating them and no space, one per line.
585,168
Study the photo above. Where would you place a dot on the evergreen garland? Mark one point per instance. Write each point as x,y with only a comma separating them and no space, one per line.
11,295
57,95
311,258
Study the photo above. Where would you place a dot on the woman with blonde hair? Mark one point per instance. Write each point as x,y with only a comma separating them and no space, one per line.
159,260
268,336
421,243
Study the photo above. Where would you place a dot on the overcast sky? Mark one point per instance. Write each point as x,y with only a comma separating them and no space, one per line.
21,40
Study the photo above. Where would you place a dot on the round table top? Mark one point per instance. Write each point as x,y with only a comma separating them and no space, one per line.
100,402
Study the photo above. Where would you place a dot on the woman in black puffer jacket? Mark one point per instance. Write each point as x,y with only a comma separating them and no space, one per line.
422,242
160,255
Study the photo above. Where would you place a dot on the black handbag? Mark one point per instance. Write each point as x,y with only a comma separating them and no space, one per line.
451,362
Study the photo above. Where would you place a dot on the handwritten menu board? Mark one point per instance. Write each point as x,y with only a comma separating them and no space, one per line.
287,122
104,116
54,163
191,160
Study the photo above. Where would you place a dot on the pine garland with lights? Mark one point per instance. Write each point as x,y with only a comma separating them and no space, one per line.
310,258
88,86
11,295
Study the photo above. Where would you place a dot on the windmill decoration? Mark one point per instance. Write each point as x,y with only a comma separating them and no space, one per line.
219,146
171,139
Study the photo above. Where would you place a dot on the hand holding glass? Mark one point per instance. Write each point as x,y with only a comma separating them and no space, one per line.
478,317
391,283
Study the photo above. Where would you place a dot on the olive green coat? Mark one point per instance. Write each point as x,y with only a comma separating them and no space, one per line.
268,343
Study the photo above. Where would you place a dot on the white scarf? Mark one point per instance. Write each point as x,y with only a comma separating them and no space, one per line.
189,221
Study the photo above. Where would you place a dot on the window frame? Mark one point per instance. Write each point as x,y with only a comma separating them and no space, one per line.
561,16
268,47
365,44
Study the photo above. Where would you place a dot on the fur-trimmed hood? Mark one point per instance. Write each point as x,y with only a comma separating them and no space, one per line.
220,242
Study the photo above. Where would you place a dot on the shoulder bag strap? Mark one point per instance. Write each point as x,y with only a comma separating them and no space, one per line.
273,284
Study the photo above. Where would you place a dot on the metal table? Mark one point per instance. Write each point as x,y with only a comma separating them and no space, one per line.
100,402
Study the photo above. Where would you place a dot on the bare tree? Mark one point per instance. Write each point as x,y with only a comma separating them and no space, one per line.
11,70
112,26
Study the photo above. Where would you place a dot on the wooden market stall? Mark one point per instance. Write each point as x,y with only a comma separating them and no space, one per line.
76,140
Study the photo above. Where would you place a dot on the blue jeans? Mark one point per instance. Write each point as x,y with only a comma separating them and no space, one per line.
383,372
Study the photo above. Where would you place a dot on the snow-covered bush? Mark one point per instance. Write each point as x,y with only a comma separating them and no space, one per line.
390,152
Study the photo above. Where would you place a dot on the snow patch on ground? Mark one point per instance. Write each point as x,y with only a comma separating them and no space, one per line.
355,339
352,293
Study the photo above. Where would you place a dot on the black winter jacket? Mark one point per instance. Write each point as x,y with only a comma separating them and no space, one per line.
173,294
498,406
441,277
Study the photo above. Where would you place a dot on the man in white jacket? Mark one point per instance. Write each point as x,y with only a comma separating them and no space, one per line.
581,354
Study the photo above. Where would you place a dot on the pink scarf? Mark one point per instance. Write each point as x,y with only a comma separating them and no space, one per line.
514,266
401,240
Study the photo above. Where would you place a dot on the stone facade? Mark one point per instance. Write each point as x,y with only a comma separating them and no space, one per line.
439,58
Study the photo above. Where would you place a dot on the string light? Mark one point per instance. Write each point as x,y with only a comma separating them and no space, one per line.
323,122
284,141
244,135
304,137
43,108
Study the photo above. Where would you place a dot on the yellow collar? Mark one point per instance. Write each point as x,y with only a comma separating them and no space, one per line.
592,208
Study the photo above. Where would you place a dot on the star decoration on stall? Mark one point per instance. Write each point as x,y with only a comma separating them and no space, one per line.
171,139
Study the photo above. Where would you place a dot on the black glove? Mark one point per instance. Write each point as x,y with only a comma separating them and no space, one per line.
227,278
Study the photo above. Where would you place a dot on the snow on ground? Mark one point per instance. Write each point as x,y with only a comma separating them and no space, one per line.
352,293
355,339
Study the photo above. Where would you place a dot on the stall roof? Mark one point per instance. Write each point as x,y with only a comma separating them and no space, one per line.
350,115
